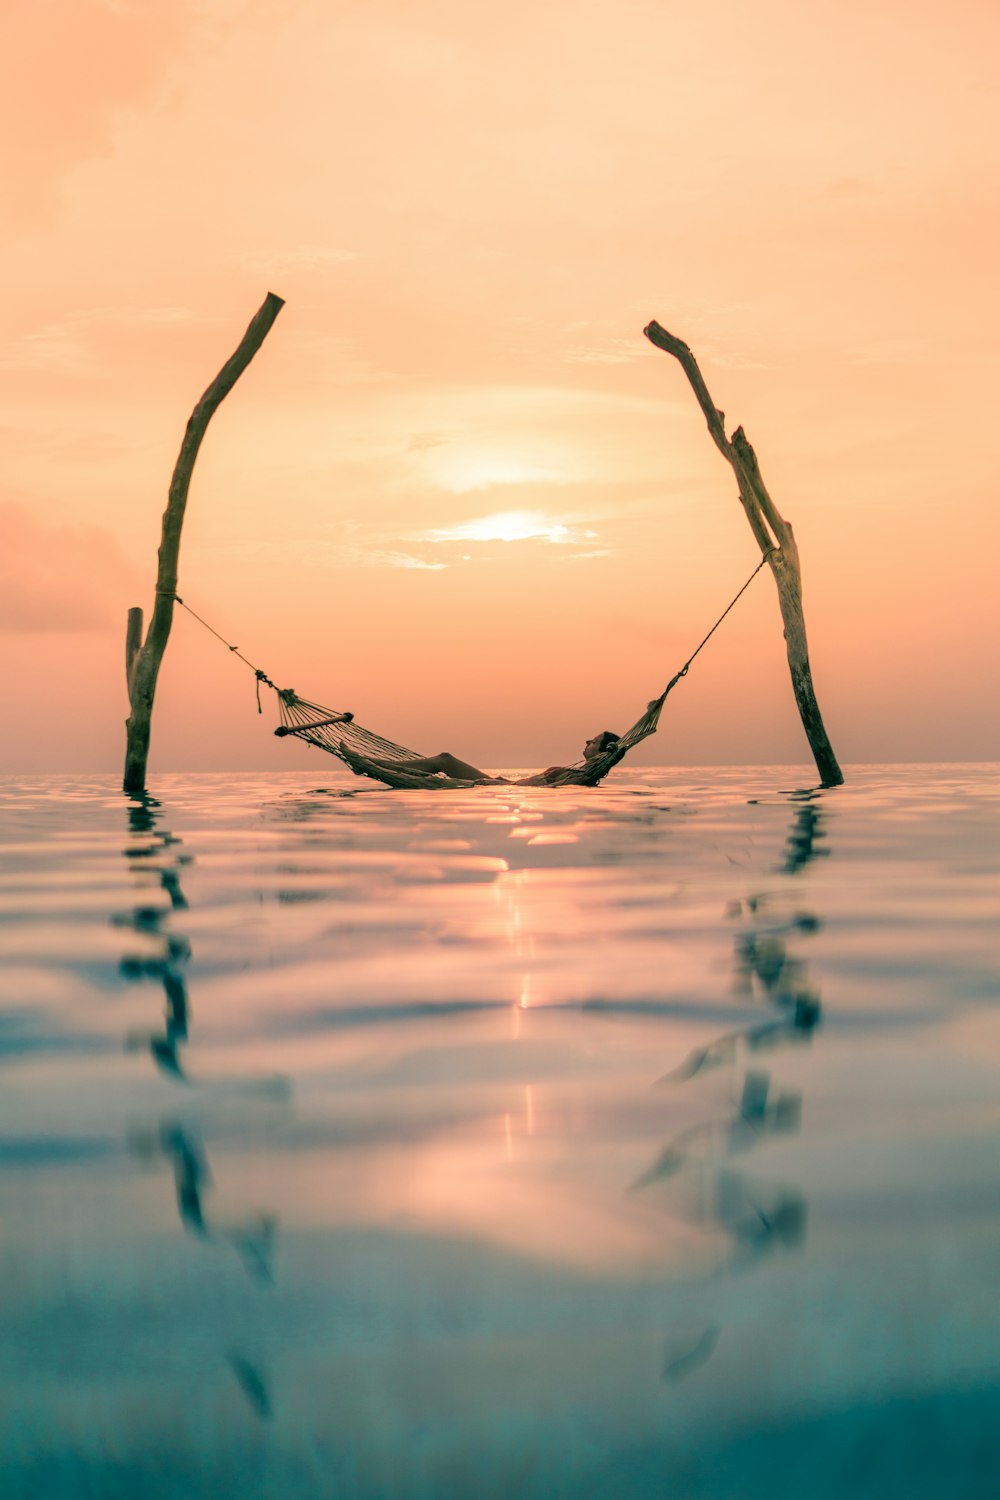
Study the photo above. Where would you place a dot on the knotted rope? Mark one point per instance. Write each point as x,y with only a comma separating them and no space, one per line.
258,672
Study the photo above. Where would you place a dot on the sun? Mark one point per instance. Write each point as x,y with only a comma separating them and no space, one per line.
465,467
505,526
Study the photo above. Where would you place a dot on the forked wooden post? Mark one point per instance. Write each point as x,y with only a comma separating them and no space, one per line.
776,541
143,658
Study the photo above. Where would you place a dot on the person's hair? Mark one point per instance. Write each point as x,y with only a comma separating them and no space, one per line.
607,740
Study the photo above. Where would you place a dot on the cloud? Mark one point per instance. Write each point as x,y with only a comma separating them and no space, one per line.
908,350
611,352
55,347
306,258
322,360
80,65
59,577
375,551
462,471
508,526
433,550
69,346
376,558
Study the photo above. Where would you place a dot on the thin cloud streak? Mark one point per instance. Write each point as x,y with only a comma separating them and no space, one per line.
72,345
305,258
508,526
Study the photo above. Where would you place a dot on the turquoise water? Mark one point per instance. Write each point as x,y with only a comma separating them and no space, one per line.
514,1142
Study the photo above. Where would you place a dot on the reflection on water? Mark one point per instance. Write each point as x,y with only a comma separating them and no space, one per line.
153,859
156,859
621,1143
806,832
757,1215
684,1353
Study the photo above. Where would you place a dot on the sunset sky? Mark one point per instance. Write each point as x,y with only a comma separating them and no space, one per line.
457,491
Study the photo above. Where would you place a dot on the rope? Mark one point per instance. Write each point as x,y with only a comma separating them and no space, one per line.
260,675
735,599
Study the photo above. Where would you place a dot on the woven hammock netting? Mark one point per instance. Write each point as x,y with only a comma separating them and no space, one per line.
359,748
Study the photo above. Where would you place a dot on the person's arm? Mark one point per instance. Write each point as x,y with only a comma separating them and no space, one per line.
544,778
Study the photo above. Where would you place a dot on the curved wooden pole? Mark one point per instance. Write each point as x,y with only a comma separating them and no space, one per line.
142,662
775,537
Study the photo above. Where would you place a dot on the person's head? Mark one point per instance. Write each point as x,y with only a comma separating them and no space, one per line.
600,742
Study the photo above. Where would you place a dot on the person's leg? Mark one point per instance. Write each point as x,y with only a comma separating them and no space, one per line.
449,765
445,764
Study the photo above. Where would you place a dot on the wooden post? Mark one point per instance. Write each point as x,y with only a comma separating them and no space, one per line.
776,540
142,661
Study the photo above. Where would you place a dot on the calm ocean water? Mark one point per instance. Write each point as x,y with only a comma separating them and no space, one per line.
620,1143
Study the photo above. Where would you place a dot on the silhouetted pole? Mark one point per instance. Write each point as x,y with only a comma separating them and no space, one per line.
143,658
776,541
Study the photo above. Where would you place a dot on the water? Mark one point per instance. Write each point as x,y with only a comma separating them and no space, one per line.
612,1143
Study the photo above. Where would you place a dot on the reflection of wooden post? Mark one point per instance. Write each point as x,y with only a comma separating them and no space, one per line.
774,536
142,658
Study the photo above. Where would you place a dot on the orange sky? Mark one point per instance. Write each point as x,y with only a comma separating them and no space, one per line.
472,211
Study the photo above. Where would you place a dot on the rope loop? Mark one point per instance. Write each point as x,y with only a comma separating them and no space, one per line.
259,674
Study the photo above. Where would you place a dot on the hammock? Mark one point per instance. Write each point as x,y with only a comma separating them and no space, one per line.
364,750
361,748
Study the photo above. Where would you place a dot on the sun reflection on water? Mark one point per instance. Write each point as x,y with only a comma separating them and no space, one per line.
418,1112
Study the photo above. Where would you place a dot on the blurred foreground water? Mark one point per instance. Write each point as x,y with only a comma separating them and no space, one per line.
630,1142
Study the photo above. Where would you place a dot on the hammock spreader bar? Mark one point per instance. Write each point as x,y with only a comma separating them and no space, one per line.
339,734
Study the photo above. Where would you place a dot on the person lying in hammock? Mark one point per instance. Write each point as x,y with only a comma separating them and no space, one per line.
450,766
